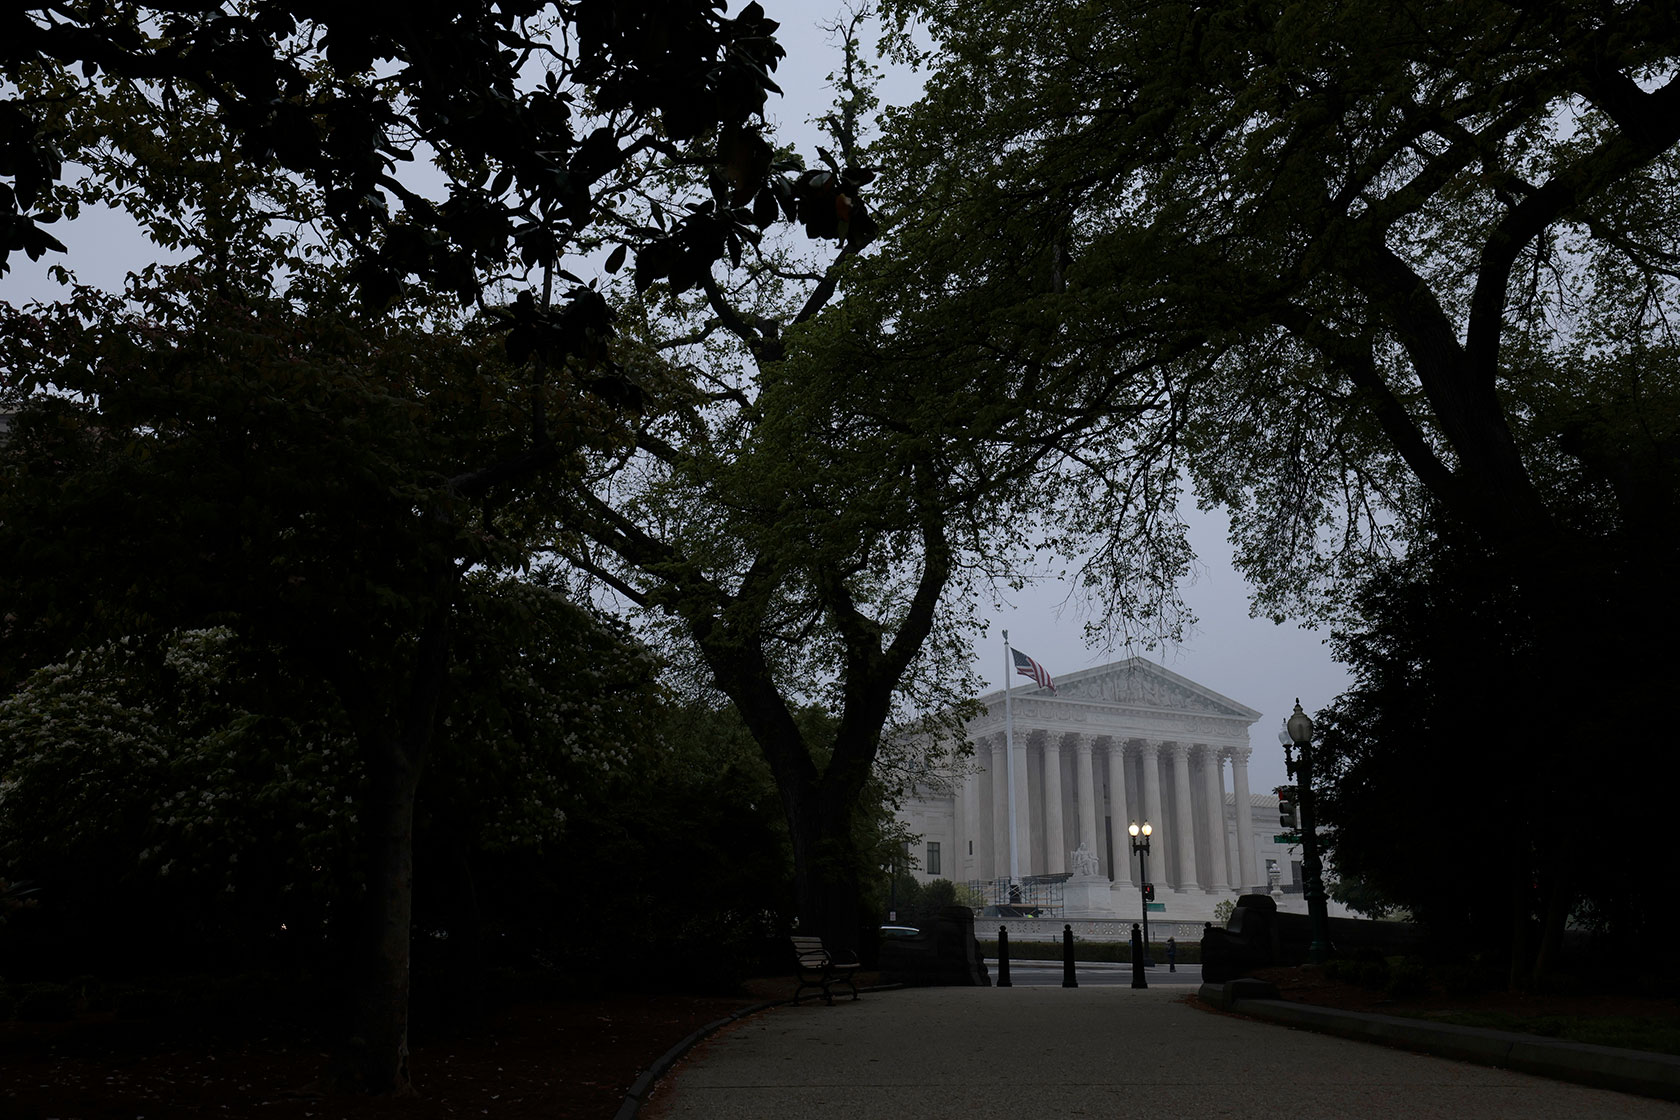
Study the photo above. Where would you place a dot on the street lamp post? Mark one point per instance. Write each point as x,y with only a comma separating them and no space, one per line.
1318,914
1140,846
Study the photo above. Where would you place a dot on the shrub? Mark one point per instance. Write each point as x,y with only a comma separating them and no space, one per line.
46,1003
1462,978
144,1002
1407,976
1373,975
90,993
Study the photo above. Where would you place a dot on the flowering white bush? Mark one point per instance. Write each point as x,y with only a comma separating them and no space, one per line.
553,717
133,764
209,779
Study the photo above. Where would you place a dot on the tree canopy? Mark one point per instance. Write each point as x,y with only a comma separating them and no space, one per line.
453,152
817,499
526,108
1362,244
1365,274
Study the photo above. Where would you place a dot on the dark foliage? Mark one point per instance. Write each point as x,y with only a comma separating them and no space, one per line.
1448,788
291,80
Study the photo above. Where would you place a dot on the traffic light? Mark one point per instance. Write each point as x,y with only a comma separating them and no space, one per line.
1149,892
1286,815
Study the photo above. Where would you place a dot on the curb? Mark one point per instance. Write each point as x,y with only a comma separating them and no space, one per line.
1606,1067
648,1078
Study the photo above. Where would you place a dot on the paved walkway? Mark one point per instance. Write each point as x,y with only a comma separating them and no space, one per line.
1112,1052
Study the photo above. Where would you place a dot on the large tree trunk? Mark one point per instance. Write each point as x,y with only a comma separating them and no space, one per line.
460,976
1517,975
827,865
819,805
379,1049
1558,899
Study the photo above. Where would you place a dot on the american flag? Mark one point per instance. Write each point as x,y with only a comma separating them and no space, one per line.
1027,667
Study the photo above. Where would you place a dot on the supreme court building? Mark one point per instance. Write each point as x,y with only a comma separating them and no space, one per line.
1128,741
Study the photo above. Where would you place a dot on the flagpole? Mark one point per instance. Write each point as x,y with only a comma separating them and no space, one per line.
1009,754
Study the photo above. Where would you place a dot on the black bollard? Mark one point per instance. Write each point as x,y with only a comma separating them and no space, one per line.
1138,980
1069,980
1003,958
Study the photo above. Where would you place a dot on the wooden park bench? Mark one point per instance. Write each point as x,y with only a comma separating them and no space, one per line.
817,968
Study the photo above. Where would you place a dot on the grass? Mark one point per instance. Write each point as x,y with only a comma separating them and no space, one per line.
1629,1032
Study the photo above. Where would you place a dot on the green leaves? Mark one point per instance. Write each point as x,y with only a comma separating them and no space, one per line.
294,98
551,705
1318,248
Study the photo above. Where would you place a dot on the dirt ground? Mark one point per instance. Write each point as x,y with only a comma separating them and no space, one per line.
569,1060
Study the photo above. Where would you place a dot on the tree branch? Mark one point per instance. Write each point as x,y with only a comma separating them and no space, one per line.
1653,127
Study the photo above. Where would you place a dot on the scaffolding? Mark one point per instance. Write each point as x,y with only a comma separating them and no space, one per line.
1034,896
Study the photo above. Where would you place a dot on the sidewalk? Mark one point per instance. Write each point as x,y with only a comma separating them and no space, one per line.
1092,1051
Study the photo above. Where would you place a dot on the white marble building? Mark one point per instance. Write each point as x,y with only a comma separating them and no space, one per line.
1128,741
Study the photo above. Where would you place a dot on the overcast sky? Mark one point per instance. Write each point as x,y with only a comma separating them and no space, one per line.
1251,661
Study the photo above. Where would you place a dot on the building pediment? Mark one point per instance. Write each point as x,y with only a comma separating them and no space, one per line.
1135,684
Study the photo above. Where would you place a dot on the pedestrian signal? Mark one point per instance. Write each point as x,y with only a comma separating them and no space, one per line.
1149,892
1286,815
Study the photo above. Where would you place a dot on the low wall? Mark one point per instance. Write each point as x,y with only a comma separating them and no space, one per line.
1348,935
1084,929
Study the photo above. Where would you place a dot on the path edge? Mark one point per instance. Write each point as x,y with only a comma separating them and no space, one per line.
1639,1072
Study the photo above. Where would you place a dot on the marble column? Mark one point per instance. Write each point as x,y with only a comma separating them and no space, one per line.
1023,806
951,853
1087,792
1248,874
1227,833
1160,844
1055,850
1117,811
1218,877
1000,809
1184,832
977,838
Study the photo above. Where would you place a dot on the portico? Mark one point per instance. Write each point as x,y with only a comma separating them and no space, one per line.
1125,741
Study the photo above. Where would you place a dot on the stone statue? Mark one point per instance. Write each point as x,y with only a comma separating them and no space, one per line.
1084,861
